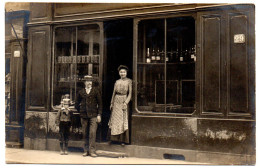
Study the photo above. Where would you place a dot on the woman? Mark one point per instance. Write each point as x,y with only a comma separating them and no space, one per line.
122,93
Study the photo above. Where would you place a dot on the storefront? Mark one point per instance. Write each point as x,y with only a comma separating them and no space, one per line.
192,67
15,74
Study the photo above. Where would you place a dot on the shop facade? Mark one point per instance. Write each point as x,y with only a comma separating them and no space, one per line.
193,71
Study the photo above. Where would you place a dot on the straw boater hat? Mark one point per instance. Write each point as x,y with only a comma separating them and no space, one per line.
88,78
122,67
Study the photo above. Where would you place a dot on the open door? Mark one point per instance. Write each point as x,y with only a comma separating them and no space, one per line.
118,51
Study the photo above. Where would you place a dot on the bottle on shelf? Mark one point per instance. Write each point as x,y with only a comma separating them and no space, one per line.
186,57
195,52
153,57
169,56
59,59
162,56
83,59
158,57
148,58
181,56
177,55
192,55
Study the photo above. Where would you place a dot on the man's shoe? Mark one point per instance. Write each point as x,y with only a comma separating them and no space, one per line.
93,155
65,152
85,154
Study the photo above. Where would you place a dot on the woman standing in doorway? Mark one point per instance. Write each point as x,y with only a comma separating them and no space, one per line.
122,94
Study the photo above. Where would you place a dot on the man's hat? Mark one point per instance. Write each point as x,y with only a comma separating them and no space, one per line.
88,78
122,67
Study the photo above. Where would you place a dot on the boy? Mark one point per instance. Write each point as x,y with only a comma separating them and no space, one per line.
63,119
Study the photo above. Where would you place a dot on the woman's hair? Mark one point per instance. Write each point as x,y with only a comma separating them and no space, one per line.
122,67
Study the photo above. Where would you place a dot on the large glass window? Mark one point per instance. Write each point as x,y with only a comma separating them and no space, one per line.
76,54
166,65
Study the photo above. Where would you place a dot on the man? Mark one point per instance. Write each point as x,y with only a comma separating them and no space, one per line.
89,105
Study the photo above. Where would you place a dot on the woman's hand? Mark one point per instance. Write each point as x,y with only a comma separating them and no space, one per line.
124,106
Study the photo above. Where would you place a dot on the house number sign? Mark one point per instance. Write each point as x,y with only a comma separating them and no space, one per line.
239,38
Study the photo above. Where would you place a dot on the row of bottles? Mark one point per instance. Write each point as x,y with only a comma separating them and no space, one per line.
73,78
79,59
171,56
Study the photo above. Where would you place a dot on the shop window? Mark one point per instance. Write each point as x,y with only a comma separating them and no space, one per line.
76,54
166,65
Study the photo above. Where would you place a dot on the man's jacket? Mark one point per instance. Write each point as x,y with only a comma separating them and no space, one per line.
89,105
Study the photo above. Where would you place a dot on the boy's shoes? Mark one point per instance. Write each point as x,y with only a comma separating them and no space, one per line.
85,154
61,152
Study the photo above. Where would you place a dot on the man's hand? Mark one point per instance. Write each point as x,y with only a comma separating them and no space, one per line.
98,119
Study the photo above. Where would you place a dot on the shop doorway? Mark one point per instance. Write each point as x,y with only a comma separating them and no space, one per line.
118,51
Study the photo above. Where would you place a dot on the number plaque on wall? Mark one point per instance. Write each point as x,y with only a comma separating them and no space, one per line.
239,38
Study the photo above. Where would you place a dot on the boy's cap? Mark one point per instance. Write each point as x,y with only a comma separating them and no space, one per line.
66,101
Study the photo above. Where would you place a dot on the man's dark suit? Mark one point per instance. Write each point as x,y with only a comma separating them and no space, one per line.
89,106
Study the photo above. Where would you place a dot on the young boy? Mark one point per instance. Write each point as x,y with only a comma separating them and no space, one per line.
63,119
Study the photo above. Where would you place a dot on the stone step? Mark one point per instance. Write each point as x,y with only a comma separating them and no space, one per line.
111,154
13,144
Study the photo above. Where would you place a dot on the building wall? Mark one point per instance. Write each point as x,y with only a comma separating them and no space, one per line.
16,6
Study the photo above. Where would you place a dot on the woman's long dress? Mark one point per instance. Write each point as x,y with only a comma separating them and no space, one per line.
118,122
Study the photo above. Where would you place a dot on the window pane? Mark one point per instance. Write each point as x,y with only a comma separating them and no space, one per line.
88,52
150,87
76,54
64,69
150,72
180,90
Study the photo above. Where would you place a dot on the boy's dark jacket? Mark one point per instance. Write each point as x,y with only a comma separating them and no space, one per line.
64,114
89,105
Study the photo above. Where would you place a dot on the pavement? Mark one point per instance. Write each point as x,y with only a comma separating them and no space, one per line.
25,156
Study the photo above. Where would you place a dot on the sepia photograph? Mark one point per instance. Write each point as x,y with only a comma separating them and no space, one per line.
130,83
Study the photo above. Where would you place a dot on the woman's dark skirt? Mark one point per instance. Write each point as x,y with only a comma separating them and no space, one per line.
121,138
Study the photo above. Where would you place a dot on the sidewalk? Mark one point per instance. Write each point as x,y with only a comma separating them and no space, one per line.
14,155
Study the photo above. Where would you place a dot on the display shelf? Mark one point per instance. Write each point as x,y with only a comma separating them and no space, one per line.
59,63
170,63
